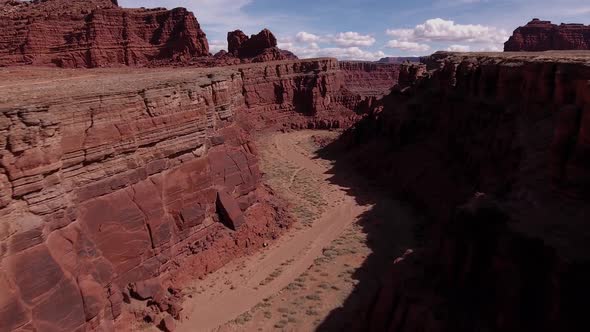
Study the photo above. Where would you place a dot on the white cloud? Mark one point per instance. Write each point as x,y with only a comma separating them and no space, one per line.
350,38
408,46
461,37
217,45
490,48
458,48
344,45
343,53
217,17
403,34
438,29
304,37
341,39
315,50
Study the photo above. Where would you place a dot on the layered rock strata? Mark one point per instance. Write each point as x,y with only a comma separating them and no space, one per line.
96,33
540,35
313,93
509,135
112,180
261,47
369,78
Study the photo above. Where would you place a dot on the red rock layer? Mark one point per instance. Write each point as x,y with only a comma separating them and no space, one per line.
540,35
109,184
370,78
314,93
515,128
261,47
113,181
95,33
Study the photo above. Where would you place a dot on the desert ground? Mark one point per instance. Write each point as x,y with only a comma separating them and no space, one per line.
296,282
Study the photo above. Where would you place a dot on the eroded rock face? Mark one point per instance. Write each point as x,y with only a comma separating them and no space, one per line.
540,35
96,33
111,182
507,135
313,94
108,185
235,41
368,78
261,47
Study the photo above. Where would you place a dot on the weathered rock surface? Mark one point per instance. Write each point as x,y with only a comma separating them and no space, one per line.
313,93
109,179
95,33
235,41
229,210
508,125
368,78
540,35
261,47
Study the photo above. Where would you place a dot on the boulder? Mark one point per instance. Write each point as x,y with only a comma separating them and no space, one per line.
147,289
229,210
168,324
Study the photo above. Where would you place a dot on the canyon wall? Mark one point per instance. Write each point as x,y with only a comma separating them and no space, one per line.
494,147
113,180
540,35
110,180
96,33
313,93
370,78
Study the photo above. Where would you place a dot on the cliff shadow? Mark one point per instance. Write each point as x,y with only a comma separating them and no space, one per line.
391,227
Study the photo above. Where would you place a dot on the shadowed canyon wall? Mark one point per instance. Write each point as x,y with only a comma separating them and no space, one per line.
109,179
495,148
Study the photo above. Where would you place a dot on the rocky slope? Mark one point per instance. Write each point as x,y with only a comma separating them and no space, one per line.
112,180
95,33
495,148
540,35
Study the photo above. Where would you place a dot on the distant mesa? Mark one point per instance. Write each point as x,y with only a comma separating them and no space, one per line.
258,48
397,60
540,35
99,33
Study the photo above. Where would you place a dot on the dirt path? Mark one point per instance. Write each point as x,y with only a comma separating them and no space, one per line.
239,296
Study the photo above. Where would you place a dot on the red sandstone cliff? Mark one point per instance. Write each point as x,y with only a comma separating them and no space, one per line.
540,35
108,185
261,47
512,127
95,33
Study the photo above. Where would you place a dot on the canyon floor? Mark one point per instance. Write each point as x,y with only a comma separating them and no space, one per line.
311,277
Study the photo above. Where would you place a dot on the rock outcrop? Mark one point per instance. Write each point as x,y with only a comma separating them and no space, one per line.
95,33
261,47
508,135
109,184
540,35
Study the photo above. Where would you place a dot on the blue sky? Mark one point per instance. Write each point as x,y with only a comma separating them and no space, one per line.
370,29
